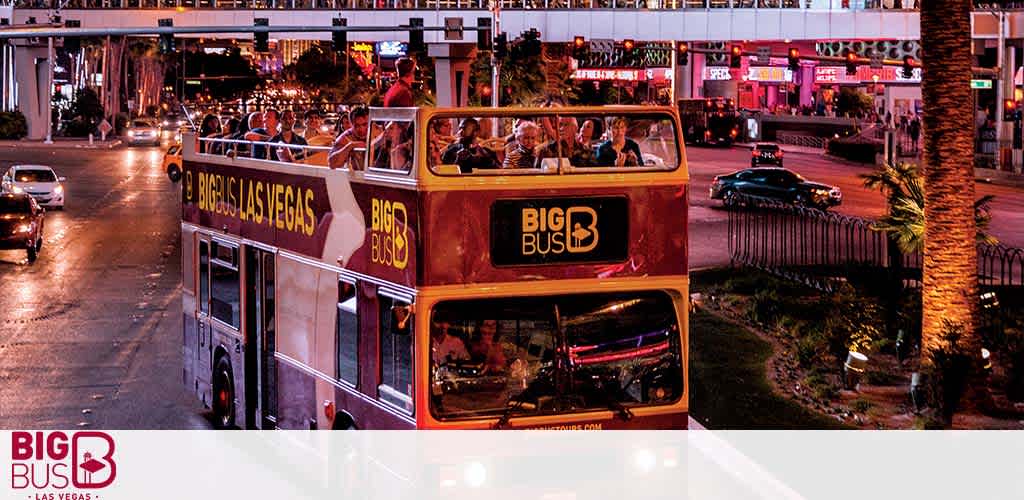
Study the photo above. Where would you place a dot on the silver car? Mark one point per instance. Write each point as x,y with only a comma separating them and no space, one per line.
143,132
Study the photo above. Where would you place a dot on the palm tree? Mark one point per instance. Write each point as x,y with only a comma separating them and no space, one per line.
950,275
903,186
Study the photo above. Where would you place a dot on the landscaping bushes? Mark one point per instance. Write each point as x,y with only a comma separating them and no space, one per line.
855,148
13,125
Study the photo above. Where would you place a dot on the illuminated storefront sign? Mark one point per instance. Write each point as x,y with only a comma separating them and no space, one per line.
865,74
769,74
717,73
629,75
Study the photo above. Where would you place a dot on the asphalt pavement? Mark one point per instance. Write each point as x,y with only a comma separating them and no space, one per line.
90,334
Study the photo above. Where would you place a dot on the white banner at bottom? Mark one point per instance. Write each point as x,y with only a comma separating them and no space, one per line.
365,465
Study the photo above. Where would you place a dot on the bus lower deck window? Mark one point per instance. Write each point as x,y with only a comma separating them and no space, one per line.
396,333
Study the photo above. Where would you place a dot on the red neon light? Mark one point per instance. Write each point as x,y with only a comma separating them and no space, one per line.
643,351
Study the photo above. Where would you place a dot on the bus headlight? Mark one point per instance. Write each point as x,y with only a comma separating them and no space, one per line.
475,474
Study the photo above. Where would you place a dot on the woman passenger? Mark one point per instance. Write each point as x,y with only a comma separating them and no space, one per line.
619,151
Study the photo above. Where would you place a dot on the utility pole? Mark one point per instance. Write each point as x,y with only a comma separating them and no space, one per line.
49,91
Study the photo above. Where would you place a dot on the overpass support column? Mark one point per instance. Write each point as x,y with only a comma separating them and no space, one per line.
32,77
806,85
451,72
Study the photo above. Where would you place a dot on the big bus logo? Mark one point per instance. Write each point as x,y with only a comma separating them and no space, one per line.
554,230
389,237
53,461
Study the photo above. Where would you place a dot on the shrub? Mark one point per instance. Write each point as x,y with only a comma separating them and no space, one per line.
821,386
861,405
764,307
855,148
948,372
1014,356
13,125
855,324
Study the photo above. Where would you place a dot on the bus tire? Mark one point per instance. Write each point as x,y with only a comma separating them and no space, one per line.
223,395
343,421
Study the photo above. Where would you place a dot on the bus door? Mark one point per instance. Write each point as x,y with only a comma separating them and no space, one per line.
204,333
261,380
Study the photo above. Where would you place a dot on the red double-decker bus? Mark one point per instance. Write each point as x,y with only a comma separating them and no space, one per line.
436,280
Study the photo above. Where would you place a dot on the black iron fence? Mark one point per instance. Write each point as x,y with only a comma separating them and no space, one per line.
825,249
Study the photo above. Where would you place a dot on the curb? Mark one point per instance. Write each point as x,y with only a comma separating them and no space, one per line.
998,178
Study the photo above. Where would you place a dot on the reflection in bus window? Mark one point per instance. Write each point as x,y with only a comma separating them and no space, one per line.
224,285
204,277
347,330
536,355
396,333
393,148
612,140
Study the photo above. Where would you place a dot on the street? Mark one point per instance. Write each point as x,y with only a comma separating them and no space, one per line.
91,332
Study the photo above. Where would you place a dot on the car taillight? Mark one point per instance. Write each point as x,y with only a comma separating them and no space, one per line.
754,153
778,153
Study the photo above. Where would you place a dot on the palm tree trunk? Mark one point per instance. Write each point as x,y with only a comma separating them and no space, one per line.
950,284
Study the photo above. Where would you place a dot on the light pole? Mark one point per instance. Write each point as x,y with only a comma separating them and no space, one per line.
495,64
49,91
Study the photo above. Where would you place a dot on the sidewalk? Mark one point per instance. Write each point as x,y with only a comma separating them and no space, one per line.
789,149
62,143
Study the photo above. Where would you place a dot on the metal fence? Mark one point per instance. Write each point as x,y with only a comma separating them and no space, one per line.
825,249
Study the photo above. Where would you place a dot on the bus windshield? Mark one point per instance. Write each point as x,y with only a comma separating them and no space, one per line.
555,140
545,355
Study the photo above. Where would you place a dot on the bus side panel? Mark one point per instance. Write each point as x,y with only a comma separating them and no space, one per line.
190,334
296,393
368,414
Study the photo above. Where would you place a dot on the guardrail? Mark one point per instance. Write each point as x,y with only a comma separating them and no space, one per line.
825,249
273,151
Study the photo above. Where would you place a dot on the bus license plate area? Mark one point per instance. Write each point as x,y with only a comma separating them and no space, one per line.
539,231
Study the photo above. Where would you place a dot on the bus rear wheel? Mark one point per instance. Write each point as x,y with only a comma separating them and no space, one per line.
223,395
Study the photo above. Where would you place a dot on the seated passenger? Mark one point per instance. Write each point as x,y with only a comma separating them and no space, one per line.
445,347
589,131
466,153
288,136
392,150
349,148
487,349
520,153
568,146
619,151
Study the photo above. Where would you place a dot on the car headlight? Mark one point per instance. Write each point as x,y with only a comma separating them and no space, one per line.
59,190
23,228
17,190
166,123
821,192
131,133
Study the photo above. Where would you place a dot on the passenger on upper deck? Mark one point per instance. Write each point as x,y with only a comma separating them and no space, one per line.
520,153
619,151
209,128
445,347
568,146
400,94
440,138
343,153
288,136
393,149
271,120
466,153
487,349
313,122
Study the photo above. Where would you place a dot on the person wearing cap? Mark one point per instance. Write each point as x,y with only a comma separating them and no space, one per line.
466,153
400,94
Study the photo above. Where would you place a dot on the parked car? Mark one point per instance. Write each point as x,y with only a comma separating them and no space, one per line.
172,162
143,132
777,184
766,153
38,181
21,224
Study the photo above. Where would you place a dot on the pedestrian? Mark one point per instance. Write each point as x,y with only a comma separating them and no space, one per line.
400,93
915,131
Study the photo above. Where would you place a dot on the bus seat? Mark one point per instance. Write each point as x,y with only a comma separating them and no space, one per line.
552,164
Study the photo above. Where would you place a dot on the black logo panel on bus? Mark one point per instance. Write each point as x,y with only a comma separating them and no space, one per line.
540,231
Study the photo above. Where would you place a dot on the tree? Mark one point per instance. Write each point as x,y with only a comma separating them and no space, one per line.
525,81
237,75
949,290
853,102
904,220
321,71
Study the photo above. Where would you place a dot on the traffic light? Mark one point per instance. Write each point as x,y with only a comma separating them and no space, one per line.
579,49
682,54
628,46
72,44
1011,110
339,39
735,54
908,67
531,46
416,35
851,63
794,58
260,40
483,35
501,46
166,39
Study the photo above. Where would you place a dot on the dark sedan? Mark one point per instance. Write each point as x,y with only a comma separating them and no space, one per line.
766,153
777,184
21,224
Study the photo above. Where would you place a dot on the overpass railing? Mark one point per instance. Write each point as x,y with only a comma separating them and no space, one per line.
825,5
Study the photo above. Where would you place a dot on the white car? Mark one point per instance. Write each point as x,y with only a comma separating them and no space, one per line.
143,132
38,181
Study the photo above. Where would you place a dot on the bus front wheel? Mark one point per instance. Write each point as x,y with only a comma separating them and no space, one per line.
223,395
